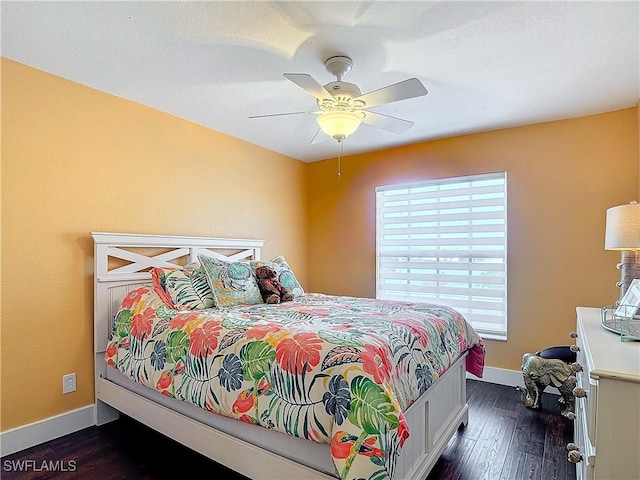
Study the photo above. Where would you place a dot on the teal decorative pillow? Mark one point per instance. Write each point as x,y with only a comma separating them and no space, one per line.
187,289
233,283
284,274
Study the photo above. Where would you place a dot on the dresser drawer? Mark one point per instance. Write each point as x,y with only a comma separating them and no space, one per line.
584,424
584,468
589,403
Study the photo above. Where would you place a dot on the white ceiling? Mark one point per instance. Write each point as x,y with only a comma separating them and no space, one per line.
487,65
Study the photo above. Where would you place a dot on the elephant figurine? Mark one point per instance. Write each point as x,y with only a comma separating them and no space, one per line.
540,372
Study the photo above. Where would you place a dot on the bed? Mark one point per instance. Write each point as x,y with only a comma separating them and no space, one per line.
320,387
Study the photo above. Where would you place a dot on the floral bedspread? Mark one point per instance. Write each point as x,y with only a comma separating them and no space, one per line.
334,370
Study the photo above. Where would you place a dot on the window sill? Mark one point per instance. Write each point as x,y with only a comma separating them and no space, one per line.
493,336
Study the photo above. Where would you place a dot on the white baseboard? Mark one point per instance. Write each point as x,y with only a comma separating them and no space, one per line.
27,436
502,376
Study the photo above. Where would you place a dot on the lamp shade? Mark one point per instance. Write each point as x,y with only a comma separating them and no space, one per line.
623,227
339,124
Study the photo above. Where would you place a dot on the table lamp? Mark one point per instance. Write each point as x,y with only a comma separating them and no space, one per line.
623,233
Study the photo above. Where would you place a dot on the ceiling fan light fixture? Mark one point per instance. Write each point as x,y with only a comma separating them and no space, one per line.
340,124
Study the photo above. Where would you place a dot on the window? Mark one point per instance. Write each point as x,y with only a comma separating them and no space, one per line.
445,242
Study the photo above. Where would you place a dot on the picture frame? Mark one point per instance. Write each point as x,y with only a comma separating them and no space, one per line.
630,303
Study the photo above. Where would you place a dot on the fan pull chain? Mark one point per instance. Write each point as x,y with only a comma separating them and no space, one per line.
339,155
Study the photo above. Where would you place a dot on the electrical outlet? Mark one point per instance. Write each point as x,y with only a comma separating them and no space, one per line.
69,383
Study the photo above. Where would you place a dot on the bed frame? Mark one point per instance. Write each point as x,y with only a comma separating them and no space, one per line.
122,262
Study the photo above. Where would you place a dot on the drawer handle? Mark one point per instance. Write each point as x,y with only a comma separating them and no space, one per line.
579,392
574,456
576,367
574,348
573,335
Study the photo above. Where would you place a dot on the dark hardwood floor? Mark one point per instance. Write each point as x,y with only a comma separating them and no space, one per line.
506,441
503,440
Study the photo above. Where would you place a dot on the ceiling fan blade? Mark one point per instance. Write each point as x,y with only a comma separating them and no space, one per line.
316,112
279,114
309,84
392,93
391,124
319,137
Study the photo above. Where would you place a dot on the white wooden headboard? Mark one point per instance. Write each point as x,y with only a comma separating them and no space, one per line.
122,262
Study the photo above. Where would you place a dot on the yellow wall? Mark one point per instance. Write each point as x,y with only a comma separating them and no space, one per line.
75,160
562,176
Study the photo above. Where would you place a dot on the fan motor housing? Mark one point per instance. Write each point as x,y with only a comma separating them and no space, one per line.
343,91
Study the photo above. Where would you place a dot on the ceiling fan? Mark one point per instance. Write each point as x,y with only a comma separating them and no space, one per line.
343,107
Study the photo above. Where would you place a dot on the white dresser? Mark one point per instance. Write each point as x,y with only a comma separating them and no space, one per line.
607,423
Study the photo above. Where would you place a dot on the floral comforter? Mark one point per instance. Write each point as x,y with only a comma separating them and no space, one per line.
334,370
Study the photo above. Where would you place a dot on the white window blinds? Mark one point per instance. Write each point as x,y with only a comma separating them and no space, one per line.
445,242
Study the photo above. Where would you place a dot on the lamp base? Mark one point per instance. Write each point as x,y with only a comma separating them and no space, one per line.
629,267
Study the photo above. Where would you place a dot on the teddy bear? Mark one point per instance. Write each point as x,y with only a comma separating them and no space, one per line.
271,289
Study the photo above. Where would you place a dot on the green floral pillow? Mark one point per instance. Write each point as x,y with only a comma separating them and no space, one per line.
187,289
233,283
284,272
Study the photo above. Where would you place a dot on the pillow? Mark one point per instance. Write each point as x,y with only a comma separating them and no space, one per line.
284,272
186,289
233,283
